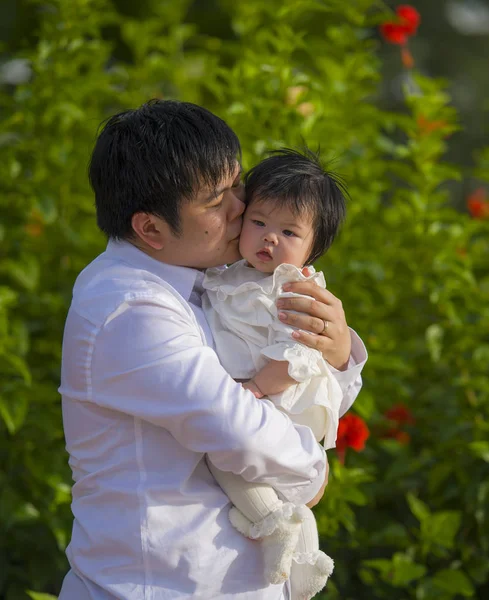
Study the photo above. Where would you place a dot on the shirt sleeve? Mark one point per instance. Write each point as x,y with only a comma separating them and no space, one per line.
306,361
350,379
149,361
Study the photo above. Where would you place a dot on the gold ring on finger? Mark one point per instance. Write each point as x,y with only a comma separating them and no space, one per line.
325,328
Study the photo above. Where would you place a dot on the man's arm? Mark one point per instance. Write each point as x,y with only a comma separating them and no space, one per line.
149,361
350,379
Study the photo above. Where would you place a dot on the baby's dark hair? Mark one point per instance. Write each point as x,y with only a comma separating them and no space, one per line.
296,179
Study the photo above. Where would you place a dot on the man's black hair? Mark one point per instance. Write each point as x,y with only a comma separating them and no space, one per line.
154,158
295,179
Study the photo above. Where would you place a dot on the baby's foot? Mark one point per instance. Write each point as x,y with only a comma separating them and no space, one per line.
309,574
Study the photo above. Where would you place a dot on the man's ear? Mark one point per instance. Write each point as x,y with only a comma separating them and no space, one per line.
152,230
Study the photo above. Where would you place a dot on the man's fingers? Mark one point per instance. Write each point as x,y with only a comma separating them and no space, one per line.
309,307
309,288
308,323
317,342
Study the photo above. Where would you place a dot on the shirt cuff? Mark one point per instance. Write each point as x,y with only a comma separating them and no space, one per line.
305,493
356,362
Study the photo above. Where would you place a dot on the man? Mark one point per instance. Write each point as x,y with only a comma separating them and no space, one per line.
144,396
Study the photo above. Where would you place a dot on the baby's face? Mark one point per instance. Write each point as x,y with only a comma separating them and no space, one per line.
272,236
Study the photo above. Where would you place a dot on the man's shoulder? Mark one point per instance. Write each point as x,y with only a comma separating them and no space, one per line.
107,284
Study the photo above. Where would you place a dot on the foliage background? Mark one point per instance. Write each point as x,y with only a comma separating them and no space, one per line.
409,516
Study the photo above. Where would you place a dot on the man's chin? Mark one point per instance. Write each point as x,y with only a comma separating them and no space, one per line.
226,259
233,256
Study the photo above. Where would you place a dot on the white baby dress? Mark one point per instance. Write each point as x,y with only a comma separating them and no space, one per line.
240,306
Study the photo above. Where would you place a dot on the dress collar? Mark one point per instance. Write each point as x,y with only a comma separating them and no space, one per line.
182,279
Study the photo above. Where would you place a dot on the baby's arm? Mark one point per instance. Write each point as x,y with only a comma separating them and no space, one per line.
273,378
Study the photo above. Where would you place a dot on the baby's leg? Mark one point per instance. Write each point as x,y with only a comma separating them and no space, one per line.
310,566
259,513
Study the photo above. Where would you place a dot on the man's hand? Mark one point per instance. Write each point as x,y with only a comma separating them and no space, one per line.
323,315
320,494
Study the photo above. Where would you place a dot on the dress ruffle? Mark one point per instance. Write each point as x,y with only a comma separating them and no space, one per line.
228,282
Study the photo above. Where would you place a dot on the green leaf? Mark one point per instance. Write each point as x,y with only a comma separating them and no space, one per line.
419,509
15,366
13,411
40,595
441,528
455,582
434,339
405,570
480,449
399,571
24,271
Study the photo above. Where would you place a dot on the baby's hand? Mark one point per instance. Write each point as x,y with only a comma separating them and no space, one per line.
251,385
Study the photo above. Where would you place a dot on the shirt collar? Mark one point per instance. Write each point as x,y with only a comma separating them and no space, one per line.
182,279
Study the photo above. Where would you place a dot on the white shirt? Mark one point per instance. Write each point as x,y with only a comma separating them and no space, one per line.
144,398
240,304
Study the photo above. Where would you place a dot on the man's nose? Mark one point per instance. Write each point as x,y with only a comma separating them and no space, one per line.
271,238
238,205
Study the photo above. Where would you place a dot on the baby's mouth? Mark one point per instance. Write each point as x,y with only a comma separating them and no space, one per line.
264,254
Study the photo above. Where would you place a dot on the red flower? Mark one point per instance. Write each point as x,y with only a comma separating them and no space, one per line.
410,18
400,414
406,25
352,433
426,126
478,205
393,33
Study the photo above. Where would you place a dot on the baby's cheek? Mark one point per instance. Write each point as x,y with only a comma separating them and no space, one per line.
244,242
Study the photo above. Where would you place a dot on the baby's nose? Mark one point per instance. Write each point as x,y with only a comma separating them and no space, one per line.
271,238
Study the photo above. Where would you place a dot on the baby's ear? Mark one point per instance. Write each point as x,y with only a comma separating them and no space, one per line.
305,271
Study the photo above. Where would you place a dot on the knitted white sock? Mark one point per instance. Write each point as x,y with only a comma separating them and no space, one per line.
310,566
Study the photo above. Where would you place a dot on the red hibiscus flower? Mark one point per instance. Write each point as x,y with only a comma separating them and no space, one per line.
409,17
393,33
400,414
478,205
404,26
352,433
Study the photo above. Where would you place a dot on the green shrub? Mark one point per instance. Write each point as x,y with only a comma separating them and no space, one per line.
402,520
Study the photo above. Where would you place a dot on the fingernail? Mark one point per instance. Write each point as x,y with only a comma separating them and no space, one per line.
286,287
296,334
280,304
282,316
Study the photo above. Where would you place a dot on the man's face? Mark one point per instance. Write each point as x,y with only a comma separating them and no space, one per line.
210,226
272,236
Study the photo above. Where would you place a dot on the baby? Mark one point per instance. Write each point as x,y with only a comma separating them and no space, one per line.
294,210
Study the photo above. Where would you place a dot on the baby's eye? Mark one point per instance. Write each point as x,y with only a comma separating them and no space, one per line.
288,233
258,223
